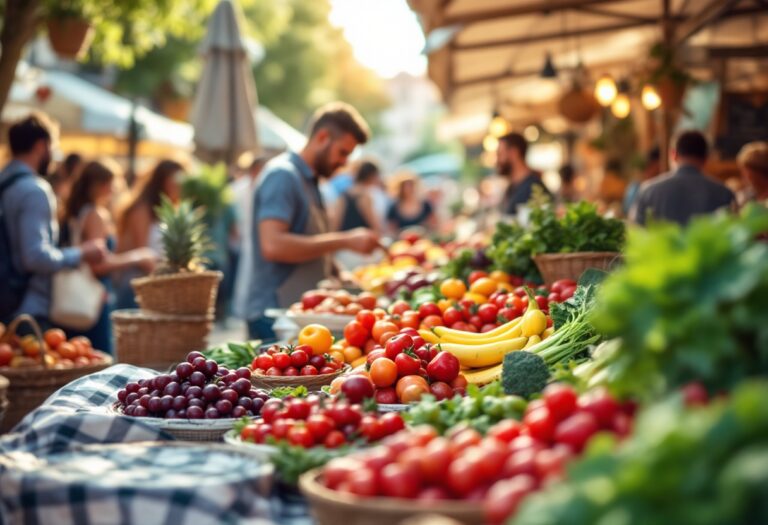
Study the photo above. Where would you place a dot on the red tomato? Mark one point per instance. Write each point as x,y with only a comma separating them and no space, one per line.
282,360
510,313
320,426
398,344
264,361
383,327
366,318
554,298
694,394
505,430
318,361
567,293
328,369
299,358
418,342
378,457
298,409
476,321
356,388
560,399
490,456
399,481
338,470
391,422
367,300
435,459
444,367
432,320
441,390
501,300
451,316
621,424
542,302
488,327
427,309
281,426
576,430
334,440
274,371
601,405
371,428
374,355
386,396
250,432
488,312
434,494
459,382
540,424
521,462
308,370
407,365
363,482
356,334
270,409
505,496
410,320
300,436
291,371
475,275
399,307
465,438
464,475
550,462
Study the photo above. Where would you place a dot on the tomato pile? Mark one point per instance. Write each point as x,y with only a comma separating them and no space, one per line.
514,459
402,371
339,302
58,352
294,361
314,421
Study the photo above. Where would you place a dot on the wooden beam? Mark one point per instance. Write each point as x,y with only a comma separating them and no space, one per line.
757,51
709,13
621,16
529,7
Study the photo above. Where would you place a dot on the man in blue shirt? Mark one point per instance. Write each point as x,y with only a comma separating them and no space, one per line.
292,244
685,192
510,162
29,208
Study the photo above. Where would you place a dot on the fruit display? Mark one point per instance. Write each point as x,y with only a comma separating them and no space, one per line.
312,422
338,302
57,350
290,361
402,371
197,389
499,469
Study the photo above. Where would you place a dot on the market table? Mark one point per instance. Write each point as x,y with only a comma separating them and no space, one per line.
76,423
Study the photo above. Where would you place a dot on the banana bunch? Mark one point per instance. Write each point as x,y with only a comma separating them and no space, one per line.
481,355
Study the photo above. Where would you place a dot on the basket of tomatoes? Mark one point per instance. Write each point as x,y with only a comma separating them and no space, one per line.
38,364
293,366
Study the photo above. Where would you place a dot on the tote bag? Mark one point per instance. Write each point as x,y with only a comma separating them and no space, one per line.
77,298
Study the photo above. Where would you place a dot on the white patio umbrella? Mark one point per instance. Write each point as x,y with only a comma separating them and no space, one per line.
222,114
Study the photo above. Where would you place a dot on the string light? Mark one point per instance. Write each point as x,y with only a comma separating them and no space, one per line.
620,106
605,90
490,143
531,133
498,126
650,97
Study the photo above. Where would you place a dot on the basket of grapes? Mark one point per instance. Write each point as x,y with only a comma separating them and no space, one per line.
198,401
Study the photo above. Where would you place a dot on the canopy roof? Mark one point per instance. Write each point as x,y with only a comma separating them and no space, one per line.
490,53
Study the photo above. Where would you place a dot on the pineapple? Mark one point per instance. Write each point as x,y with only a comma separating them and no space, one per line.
184,236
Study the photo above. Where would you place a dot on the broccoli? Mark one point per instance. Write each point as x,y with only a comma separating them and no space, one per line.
524,373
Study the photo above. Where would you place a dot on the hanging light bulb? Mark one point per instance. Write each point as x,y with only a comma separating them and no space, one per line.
531,133
498,125
548,71
490,143
605,90
620,106
650,97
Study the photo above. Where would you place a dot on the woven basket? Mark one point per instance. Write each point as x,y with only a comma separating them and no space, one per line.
187,293
330,507
156,340
31,385
209,430
3,397
556,266
311,383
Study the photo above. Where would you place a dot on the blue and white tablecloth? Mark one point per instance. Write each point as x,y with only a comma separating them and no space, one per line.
53,471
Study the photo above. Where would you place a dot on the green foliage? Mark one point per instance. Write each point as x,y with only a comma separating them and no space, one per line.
285,391
481,408
690,304
703,466
459,267
183,234
208,189
293,461
233,355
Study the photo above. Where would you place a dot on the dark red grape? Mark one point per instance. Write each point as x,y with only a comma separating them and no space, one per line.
131,387
171,414
211,392
184,387
153,405
129,410
194,391
121,394
184,370
155,393
144,400
245,402
199,364
238,412
197,378
223,406
195,402
230,378
179,403
162,381
230,395
142,391
181,414
257,404
166,402
143,382
131,397
193,355
243,372
174,377
242,386
140,411
212,413
211,367
195,412
172,389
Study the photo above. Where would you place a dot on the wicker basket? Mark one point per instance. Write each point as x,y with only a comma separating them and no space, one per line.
185,293
3,397
312,383
209,430
556,266
156,340
330,507
29,386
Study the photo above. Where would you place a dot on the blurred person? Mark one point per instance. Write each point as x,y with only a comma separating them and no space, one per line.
89,217
510,163
61,181
568,192
651,170
355,208
31,229
137,224
753,164
685,192
293,246
410,208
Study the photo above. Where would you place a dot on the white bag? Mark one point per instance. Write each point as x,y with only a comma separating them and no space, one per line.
77,298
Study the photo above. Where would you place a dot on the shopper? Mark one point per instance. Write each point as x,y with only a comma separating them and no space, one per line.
511,163
29,256
355,208
753,164
409,208
684,192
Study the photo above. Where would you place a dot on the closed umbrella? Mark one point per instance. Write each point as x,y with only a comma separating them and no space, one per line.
222,114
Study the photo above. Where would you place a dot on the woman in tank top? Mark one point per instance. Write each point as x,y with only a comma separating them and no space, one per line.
355,208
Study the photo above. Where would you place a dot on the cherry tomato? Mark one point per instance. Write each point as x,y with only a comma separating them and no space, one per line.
300,436
264,361
432,320
540,424
334,440
441,390
366,318
505,430
367,300
576,430
567,293
400,481
364,482
427,309
386,396
407,381
282,360
371,428
382,327
407,365
542,302
356,334
410,320
291,371
554,298
413,393
601,405
308,370
476,321
374,355
435,459
459,382
550,462
694,394
6,354
274,371
452,316
356,388
338,470
560,399
505,496
270,409
464,475
521,462
318,361
327,370
476,275
398,344
249,432
488,312
399,307
391,422
281,426
320,426
383,372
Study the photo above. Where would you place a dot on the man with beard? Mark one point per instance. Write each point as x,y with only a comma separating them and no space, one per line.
293,246
510,162
28,209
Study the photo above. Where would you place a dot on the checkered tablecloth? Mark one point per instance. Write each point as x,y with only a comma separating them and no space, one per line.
39,482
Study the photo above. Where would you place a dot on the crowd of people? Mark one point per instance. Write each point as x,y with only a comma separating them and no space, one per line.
295,217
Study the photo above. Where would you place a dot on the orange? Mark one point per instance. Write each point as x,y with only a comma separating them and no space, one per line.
476,297
317,336
444,304
483,286
382,327
351,353
383,372
453,288
405,382
500,276
54,337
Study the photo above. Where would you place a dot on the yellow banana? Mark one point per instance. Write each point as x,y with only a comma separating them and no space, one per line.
477,356
532,341
458,339
445,333
483,376
549,331
429,336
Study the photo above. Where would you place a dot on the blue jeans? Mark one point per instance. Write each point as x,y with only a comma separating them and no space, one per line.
261,328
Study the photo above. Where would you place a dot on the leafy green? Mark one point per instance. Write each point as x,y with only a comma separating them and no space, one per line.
284,391
703,466
459,266
689,304
292,461
480,409
233,355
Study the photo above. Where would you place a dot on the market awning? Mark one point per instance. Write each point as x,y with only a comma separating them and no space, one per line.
490,53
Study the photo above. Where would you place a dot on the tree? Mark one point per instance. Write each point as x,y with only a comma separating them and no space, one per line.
123,30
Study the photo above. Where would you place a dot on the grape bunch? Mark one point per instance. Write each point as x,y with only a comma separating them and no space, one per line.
198,389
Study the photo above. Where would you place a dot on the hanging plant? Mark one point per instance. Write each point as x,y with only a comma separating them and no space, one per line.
666,74
69,30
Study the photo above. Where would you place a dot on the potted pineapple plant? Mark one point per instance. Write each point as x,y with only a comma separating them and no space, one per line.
181,285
